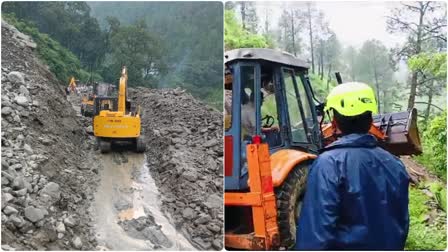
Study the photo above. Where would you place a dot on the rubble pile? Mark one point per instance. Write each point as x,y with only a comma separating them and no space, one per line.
48,171
185,158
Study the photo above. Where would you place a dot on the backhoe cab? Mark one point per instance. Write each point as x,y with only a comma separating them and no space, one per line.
116,120
274,127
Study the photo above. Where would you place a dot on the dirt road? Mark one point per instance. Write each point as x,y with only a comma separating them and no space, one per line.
127,206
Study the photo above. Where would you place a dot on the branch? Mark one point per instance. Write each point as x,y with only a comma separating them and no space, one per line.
406,25
437,107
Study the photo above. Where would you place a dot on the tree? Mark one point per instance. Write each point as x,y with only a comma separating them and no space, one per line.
421,22
249,18
374,66
432,67
309,16
236,37
134,47
289,24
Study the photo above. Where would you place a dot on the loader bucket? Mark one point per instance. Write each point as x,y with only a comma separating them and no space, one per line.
400,131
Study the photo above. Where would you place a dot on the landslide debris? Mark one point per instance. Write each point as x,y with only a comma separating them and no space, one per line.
185,158
48,173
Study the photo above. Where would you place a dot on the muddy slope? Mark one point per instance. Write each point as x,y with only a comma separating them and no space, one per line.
185,158
48,171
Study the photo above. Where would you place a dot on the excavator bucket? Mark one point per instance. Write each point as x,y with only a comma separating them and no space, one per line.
400,132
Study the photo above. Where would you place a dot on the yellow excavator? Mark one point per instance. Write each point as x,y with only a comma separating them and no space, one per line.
116,120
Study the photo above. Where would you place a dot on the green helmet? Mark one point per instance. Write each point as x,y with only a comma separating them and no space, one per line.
351,99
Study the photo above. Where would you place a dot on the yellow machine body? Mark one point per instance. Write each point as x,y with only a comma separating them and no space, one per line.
116,125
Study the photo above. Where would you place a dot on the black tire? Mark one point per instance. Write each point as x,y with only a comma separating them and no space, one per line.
140,145
104,145
288,198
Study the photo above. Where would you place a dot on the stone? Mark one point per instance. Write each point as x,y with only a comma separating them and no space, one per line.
24,91
203,219
6,110
211,143
188,213
51,189
214,228
16,118
217,244
28,149
60,227
33,214
16,77
89,129
21,100
21,192
70,221
8,210
18,183
17,221
77,243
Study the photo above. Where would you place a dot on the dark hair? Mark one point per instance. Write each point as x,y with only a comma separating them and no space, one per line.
353,124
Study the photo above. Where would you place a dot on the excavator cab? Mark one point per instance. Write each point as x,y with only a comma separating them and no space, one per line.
274,127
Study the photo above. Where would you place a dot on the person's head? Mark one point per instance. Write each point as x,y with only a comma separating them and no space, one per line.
352,105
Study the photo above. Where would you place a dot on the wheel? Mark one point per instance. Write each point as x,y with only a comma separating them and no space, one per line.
288,198
140,145
105,145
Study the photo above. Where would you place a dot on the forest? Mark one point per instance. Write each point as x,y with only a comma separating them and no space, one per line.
410,73
162,44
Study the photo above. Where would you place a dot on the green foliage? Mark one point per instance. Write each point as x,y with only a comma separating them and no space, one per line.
69,23
421,235
186,42
434,146
134,47
236,37
62,63
433,63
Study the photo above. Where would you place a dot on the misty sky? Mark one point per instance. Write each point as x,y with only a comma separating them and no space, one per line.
353,22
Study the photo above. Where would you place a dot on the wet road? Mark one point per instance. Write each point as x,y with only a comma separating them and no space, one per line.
128,215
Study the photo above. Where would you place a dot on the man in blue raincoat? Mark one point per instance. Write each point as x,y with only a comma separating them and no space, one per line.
357,193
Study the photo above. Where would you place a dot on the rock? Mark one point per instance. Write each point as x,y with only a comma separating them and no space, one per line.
203,219
21,100
21,192
24,91
6,110
6,197
214,201
188,213
203,244
60,227
18,183
17,118
8,248
16,77
28,149
211,143
17,221
89,129
33,214
70,221
217,244
77,243
214,228
8,210
51,189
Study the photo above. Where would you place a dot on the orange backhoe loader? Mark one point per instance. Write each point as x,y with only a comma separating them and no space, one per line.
274,127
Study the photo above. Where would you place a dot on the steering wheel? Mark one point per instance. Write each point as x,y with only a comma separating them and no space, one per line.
269,121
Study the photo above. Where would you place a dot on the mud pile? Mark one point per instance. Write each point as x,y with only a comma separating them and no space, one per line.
185,158
48,171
